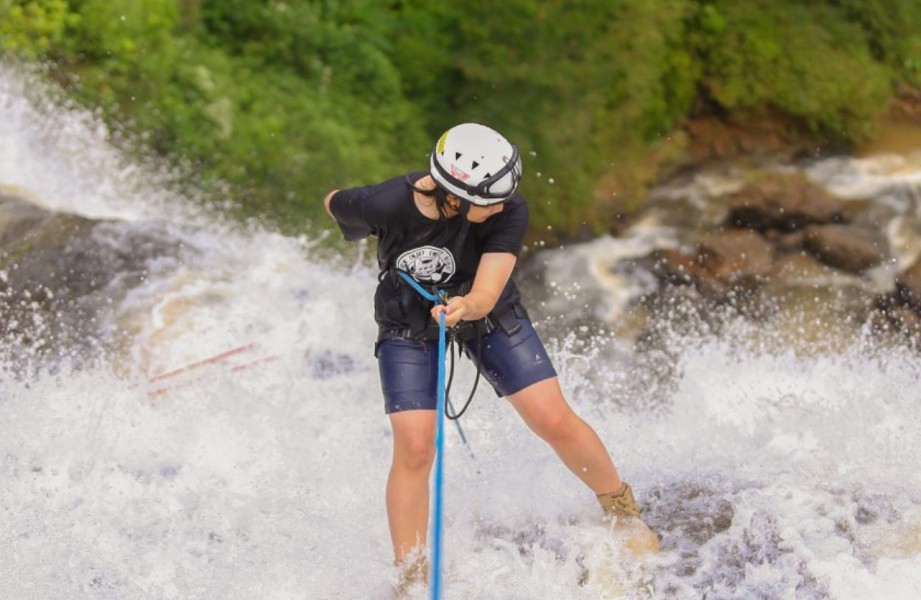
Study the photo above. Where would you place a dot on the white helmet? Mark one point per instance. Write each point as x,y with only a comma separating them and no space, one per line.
476,163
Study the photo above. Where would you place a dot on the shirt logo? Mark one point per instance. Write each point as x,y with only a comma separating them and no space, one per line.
427,264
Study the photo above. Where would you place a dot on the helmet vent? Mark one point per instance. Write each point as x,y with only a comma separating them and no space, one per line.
457,155
475,164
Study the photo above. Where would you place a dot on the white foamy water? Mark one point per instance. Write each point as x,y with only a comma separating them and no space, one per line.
260,475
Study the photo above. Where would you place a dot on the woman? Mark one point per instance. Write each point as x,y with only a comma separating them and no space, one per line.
459,228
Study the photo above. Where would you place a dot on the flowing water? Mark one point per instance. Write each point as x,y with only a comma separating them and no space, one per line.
223,436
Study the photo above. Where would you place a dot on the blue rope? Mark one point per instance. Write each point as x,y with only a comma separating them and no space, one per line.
421,290
438,297
439,464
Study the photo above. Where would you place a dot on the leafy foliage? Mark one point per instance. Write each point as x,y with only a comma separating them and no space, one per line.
797,58
35,29
595,85
891,33
278,101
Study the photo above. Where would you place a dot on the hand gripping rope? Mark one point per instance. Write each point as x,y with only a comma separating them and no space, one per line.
441,297
438,296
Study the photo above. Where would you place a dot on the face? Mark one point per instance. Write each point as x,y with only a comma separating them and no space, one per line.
477,214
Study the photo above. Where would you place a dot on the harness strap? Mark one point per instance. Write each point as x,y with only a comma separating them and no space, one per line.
440,297
507,318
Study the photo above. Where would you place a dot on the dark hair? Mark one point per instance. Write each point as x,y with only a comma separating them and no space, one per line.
440,195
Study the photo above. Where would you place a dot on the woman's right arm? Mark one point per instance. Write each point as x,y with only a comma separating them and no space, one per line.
365,210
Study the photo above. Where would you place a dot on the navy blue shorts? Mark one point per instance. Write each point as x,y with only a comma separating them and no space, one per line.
409,368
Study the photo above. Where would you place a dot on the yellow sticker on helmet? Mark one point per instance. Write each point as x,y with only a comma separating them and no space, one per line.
440,146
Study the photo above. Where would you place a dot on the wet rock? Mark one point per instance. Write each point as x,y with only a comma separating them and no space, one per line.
845,247
908,286
798,268
785,241
726,267
736,254
900,310
59,276
674,267
786,203
329,364
899,319
696,511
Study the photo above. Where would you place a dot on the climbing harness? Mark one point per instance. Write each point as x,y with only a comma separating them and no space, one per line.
439,296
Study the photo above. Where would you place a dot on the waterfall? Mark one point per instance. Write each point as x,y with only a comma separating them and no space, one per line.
211,426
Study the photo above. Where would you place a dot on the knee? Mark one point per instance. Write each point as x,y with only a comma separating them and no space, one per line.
555,427
416,453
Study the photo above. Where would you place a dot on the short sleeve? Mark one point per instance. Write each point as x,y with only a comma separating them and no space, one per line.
363,211
348,208
507,230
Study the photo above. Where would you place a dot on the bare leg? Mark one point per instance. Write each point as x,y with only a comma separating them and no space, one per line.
544,409
408,482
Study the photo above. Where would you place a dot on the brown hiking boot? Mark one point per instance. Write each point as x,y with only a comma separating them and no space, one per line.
621,506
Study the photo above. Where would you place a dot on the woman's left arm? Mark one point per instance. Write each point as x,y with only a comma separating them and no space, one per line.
492,274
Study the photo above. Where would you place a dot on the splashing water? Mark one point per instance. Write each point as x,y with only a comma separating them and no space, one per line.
232,444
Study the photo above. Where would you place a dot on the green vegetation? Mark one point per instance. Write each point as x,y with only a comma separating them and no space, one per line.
277,102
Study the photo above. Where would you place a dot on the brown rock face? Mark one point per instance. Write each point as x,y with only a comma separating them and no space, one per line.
907,103
783,203
908,286
900,309
675,268
737,254
849,248
60,272
775,135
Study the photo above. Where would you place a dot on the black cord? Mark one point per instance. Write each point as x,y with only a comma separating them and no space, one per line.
451,343
460,413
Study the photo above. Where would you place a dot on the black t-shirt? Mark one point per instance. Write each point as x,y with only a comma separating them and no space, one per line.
443,253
